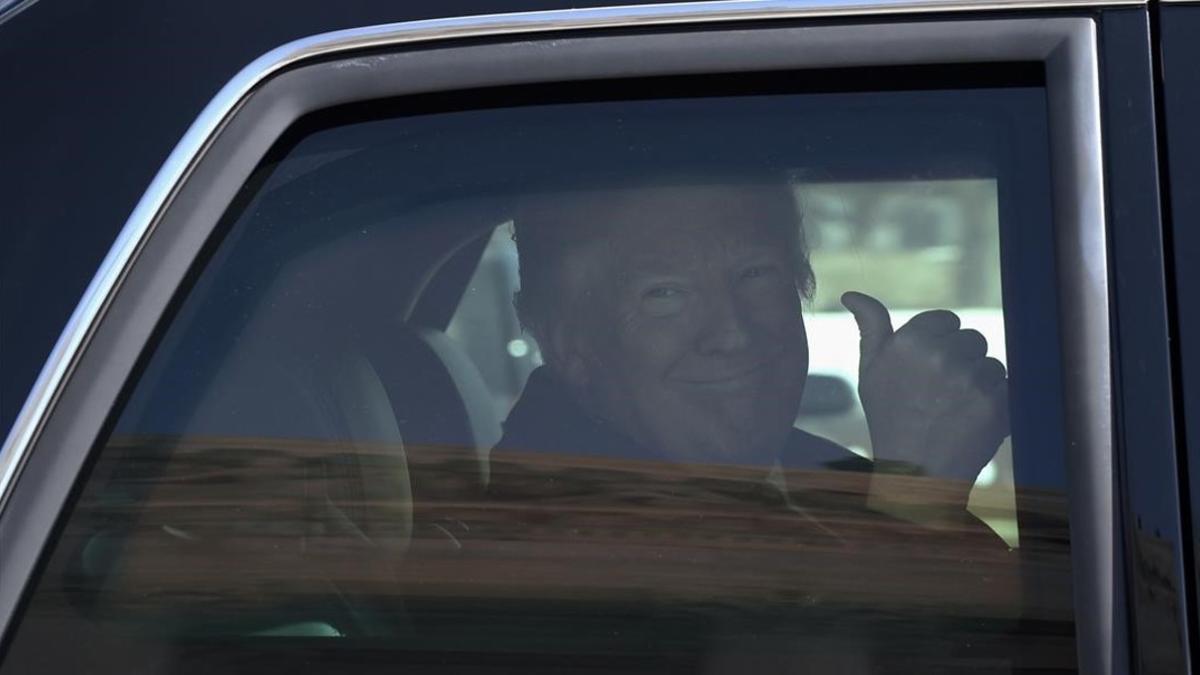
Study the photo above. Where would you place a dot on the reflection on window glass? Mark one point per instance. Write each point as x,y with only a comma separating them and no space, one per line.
724,388
912,244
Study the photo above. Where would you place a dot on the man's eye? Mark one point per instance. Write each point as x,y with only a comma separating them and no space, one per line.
758,271
663,300
661,293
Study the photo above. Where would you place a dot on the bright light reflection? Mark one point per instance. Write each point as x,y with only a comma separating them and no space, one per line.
518,348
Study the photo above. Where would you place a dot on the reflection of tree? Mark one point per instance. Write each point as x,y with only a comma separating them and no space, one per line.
913,243
980,246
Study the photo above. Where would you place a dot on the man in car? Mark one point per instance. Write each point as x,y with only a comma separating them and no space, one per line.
669,317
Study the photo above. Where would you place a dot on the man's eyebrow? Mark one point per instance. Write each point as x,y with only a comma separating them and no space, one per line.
758,251
662,263
643,275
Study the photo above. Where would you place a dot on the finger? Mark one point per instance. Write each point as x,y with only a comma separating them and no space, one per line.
994,405
965,345
990,374
874,324
1004,419
932,322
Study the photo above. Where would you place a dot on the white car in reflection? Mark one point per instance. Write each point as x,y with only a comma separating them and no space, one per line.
831,407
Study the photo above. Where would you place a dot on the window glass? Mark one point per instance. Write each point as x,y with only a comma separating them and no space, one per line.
578,382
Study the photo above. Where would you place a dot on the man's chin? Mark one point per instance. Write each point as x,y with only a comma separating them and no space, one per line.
738,450
733,434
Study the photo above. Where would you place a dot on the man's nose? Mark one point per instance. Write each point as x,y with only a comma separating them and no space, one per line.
726,326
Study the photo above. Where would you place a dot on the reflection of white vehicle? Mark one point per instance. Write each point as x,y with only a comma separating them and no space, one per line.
833,353
831,407
833,337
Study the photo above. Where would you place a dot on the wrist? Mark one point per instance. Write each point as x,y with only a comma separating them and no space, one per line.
901,490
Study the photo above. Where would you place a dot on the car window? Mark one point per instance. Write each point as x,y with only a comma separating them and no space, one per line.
722,381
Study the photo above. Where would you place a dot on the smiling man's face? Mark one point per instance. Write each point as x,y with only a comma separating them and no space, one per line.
689,335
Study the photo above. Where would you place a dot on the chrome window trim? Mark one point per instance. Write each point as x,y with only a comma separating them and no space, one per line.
1068,45
9,9
1081,232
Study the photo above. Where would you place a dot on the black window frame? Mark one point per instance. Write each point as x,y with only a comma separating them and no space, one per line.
1174,25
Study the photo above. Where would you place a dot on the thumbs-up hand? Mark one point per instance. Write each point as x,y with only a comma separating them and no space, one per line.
934,401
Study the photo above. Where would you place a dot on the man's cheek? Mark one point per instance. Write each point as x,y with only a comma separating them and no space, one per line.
782,305
652,350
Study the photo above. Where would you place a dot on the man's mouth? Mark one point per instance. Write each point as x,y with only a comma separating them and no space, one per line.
733,378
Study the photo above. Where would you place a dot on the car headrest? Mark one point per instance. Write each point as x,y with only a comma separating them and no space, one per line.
440,398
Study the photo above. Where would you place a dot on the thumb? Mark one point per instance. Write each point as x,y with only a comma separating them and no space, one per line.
874,324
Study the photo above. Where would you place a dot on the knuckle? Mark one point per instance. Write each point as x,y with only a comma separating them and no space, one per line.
983,408
913,338
995,368
945,319
974,336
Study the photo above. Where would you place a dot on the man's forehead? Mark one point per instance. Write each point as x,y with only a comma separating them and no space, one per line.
680,248
677,223
663,227
729,212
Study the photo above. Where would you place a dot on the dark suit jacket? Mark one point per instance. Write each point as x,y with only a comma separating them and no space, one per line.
546,419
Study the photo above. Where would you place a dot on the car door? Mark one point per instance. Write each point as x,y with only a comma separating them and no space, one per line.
265,439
